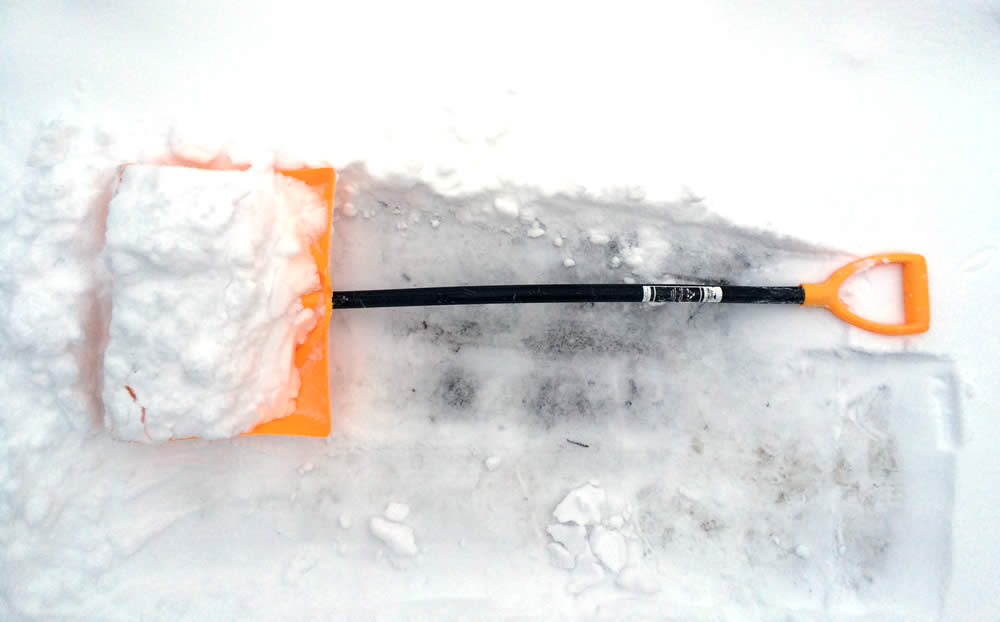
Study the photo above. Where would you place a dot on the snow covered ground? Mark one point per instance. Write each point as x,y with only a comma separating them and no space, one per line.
655,461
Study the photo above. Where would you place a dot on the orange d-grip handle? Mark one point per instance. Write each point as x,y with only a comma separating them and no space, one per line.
916,299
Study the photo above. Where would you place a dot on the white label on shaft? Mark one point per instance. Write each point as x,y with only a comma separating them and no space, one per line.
711,294
681,293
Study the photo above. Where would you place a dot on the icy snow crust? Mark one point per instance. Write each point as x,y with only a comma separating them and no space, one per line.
207,270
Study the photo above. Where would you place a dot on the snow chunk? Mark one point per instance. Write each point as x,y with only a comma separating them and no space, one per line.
609,547
582,506
633,257
492,463
599,237
399,538
208,269
560,557
586,574
397,512
344,520
802,551
198,145
573,537
508,206
651,251
638,579
298,566
536,231
569,262
37,507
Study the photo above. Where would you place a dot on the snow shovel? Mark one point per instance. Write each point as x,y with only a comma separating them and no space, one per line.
312,413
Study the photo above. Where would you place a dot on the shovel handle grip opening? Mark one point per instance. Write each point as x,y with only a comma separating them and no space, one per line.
916,298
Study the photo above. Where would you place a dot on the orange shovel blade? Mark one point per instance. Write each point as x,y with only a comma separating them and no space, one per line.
312,407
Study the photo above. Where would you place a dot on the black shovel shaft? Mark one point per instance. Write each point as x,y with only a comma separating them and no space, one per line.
513,294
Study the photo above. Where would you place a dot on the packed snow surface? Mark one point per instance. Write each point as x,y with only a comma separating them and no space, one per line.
207,271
